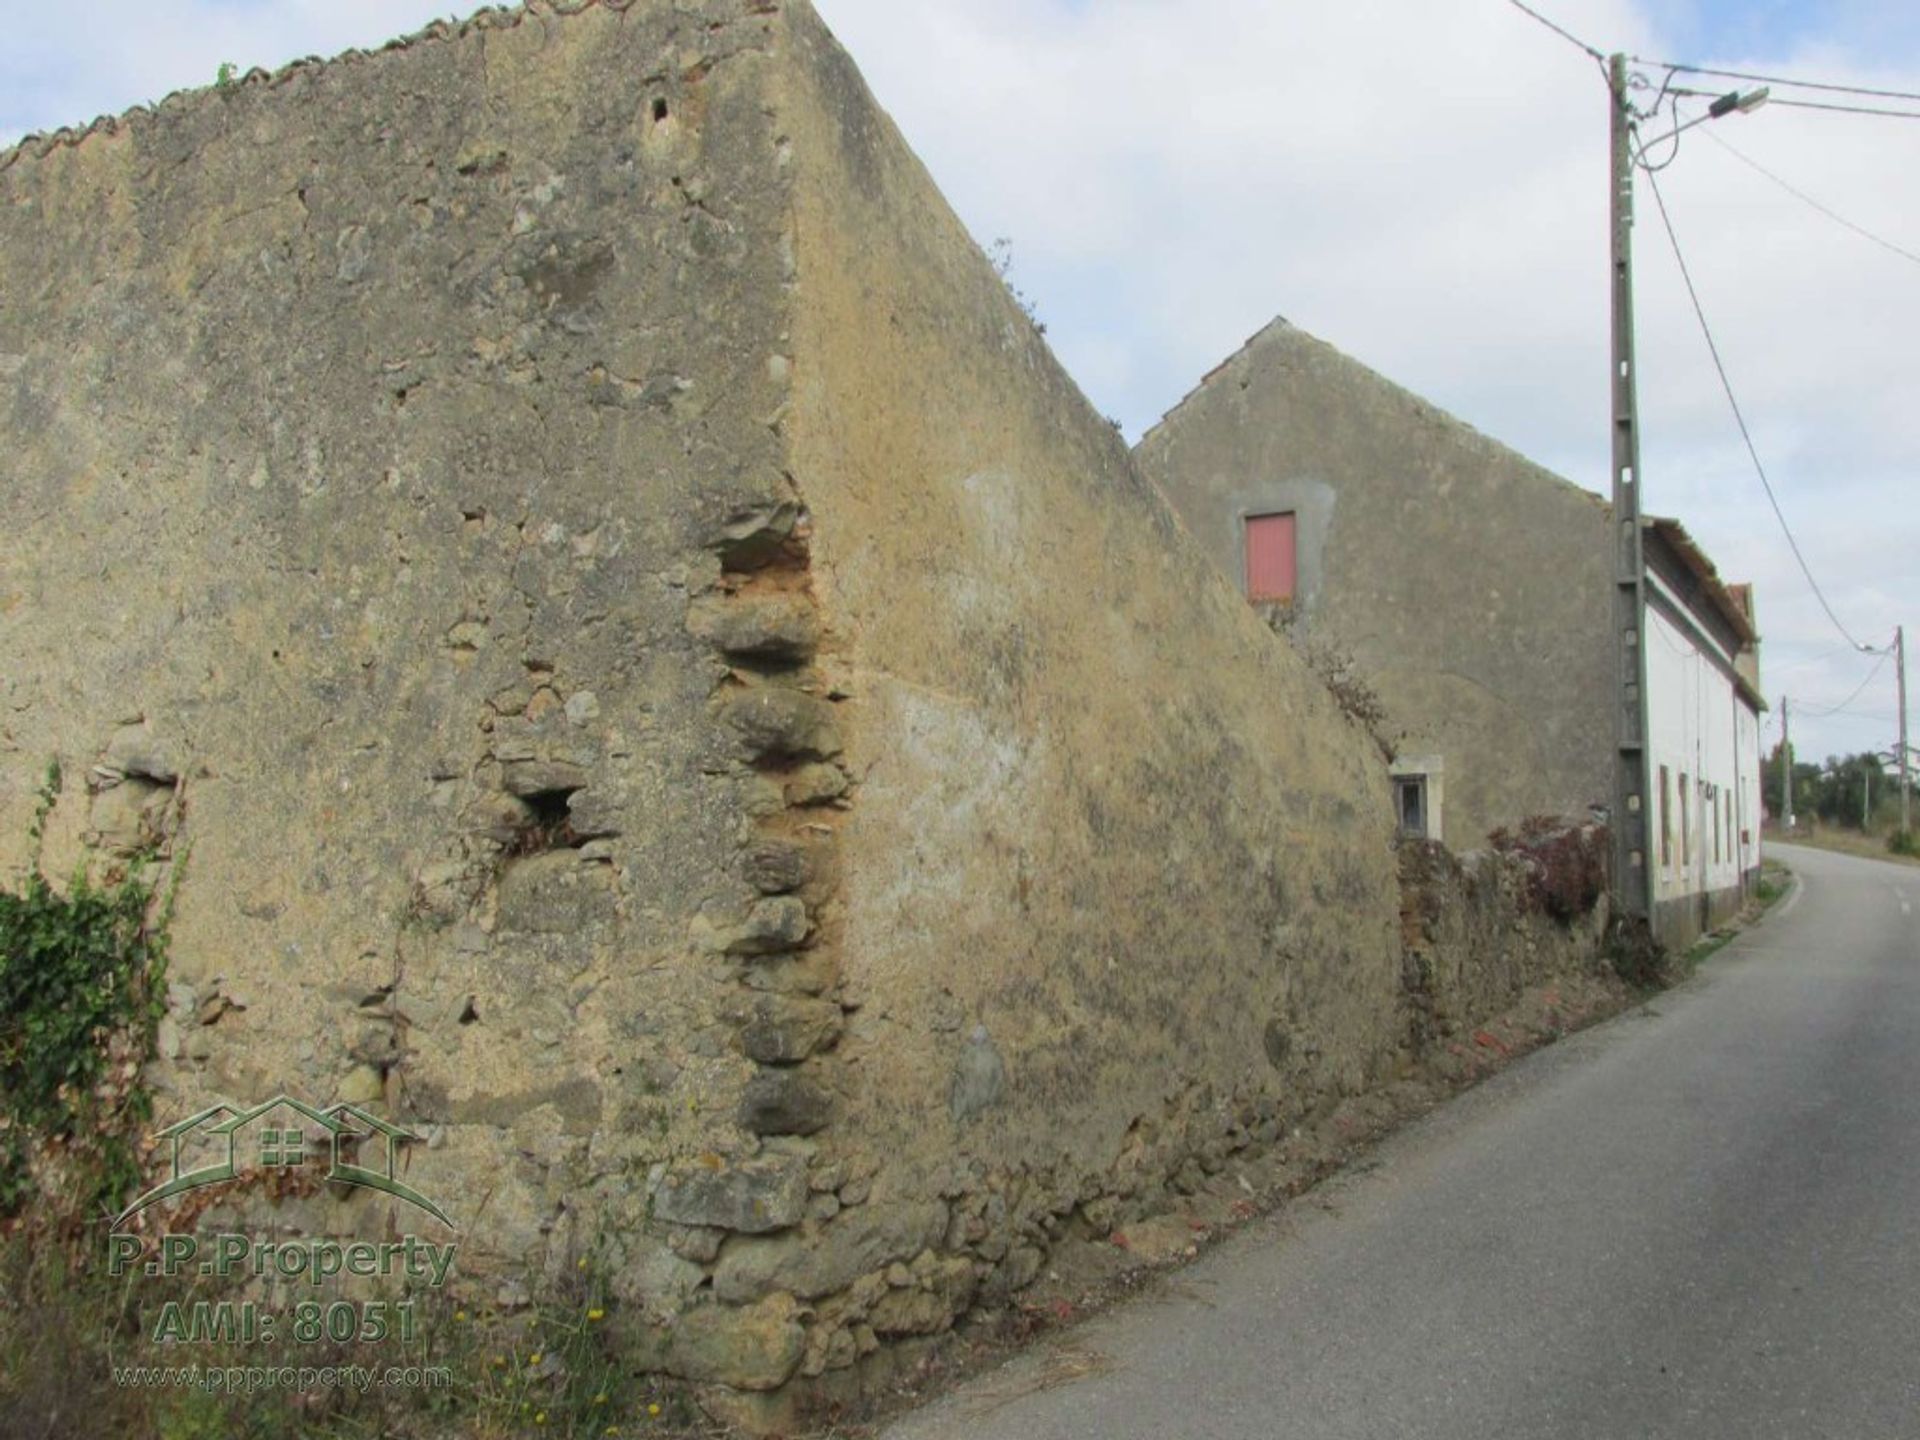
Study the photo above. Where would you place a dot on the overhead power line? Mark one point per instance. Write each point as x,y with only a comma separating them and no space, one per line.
1566,35
1845,109
1689,93
1782,80
1801,195
1824,711
1739,417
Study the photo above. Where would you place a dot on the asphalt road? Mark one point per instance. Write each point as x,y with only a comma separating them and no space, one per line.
1699,1220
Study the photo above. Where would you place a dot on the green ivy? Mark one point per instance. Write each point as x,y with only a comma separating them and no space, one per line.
82,990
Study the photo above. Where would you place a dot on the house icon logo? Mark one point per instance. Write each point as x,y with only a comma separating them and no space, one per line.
284,1134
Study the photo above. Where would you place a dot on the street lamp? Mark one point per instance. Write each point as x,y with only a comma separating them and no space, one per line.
1729,103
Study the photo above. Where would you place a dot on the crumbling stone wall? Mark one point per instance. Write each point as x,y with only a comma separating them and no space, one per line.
670,690
1480,929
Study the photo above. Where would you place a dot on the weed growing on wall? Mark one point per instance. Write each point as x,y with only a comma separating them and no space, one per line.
1000,256
1336,669
82,990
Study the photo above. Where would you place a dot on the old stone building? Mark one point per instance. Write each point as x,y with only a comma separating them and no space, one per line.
1472,589
1469,587
669,690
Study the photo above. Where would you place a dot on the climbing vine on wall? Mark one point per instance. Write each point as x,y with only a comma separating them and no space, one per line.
82,990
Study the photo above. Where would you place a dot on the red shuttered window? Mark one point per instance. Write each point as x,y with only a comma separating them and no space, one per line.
1271,557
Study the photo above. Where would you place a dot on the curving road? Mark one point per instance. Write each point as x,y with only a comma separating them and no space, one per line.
1699,1220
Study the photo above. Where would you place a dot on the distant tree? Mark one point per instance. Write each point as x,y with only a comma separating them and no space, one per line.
1852,791
1806,787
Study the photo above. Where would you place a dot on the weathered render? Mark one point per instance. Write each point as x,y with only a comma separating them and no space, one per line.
1469,586
667,687
666,684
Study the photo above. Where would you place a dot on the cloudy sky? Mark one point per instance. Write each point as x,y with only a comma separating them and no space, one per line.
1421,183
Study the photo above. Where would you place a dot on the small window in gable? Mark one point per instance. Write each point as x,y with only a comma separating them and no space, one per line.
1272,557
1410,800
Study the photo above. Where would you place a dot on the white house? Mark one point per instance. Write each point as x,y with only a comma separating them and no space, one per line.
1703,738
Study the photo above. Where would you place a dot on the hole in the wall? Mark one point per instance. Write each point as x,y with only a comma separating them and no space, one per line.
659,108
547,826
468,1013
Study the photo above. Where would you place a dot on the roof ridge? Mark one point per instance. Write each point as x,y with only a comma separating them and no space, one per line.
1278,321
1281,325
40,144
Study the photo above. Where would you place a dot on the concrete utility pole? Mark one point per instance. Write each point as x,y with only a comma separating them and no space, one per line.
1786,768
1632,876
1906,783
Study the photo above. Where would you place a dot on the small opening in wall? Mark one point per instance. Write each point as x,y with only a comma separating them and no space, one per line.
468,1013
659,108
1410,801
548,825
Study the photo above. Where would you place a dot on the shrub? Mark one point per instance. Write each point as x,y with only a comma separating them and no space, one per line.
1566,864
82,990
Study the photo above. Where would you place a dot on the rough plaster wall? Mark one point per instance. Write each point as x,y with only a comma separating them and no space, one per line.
1114,854
367,433
1471,585
669,687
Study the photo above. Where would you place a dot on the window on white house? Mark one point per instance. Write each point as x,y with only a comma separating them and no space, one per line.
1666,819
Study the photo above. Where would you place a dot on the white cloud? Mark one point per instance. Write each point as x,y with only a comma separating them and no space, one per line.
1421,185
1425,187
